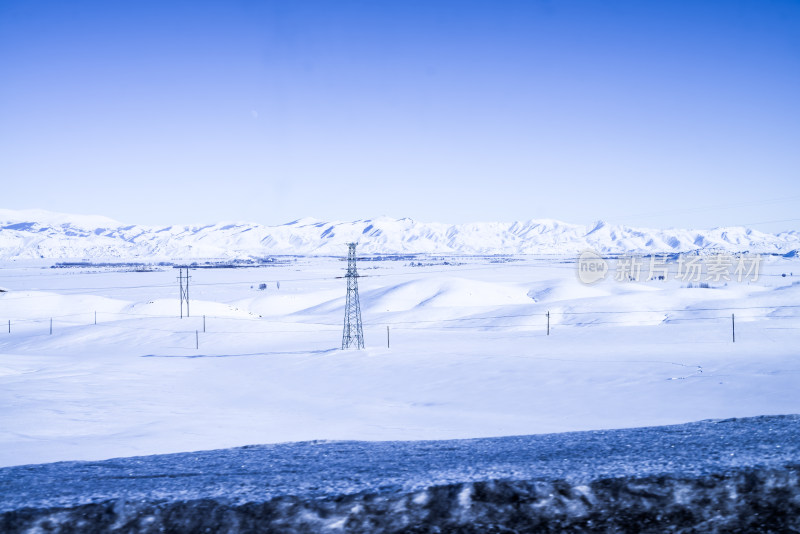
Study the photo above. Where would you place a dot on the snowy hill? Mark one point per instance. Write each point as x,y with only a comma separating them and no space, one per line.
32,234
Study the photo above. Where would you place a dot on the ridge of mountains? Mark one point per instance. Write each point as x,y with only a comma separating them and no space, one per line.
37,234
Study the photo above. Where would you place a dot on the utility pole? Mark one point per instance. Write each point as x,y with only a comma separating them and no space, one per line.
180,285
548,323
733,327
183,282
187,292
352,334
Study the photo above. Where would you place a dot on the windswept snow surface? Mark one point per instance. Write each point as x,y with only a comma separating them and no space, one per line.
469,354
35,234
733,475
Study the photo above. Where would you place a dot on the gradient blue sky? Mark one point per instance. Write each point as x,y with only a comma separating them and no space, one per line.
671,113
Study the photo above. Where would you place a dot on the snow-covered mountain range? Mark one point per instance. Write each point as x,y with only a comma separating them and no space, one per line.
34,234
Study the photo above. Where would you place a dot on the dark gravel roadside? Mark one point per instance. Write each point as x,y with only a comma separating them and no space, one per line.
576,481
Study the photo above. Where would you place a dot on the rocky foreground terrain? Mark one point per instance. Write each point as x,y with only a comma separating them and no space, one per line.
737,475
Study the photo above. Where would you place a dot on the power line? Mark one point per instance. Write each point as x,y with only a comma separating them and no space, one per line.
400,324
711,208
769,222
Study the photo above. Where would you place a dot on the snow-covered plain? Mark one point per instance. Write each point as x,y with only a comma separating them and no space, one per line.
469,355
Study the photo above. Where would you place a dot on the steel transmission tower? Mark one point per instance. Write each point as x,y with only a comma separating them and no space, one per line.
353,335
184,290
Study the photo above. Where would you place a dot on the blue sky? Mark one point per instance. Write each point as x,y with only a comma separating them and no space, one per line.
661,114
